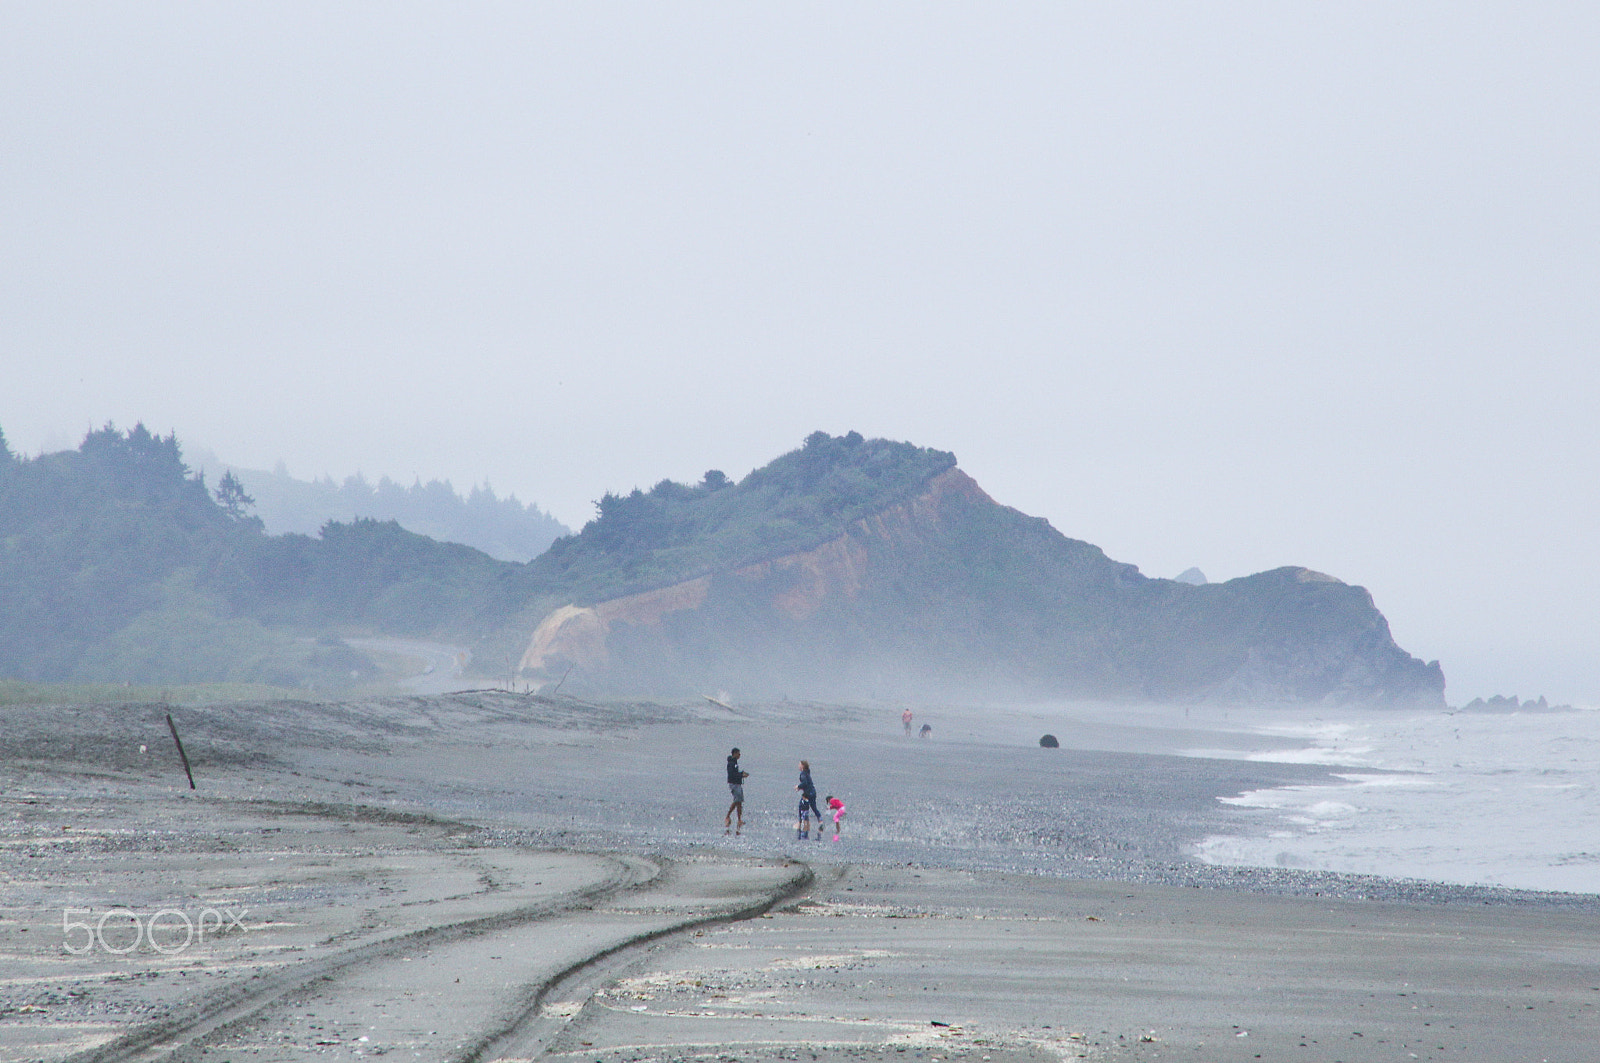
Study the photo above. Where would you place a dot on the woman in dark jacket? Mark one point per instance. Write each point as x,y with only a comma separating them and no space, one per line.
808,794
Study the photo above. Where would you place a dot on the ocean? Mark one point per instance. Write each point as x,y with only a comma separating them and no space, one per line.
1501,799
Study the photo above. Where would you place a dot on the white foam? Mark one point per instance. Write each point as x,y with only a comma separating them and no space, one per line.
1511,800
1344,758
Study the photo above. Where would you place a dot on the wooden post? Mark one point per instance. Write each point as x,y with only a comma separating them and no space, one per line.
181,754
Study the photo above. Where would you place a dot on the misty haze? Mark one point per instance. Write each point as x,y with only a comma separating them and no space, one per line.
623,535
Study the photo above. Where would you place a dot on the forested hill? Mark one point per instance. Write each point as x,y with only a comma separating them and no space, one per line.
119,563
504,528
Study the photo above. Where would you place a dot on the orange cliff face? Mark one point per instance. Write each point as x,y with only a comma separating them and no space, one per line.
836,569
579,633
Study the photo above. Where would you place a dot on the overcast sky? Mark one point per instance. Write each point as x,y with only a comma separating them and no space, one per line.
1227,285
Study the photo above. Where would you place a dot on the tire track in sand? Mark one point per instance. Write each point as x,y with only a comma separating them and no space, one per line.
194,1023
526,1032
576,939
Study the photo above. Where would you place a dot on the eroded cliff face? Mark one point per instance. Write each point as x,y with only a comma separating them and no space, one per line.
835,570
579,633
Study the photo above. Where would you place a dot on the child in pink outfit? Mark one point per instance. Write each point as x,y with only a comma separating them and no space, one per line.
838,814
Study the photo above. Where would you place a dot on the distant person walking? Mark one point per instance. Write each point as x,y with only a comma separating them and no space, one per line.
905,718
808,804
736,779
837,804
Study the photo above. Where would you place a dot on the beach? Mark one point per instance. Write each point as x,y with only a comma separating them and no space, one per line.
484,875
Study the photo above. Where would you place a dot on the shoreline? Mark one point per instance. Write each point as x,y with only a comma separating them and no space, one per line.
431,755
397,845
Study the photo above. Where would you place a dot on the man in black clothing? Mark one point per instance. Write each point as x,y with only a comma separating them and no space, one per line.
736,780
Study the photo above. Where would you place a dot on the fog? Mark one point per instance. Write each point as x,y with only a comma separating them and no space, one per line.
1234,287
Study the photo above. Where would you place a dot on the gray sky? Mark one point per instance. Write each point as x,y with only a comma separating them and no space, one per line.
1228,285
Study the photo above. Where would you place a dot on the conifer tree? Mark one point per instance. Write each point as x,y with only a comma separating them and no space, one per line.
231,496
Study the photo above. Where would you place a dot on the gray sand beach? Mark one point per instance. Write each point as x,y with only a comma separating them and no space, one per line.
489,876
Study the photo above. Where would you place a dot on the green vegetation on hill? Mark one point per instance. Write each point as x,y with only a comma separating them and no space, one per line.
367,573
503,528
88,538
117,564
679,531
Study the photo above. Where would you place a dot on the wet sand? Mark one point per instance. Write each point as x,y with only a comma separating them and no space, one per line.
485,876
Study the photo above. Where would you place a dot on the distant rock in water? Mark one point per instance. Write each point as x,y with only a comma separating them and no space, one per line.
1049,742
1192,576
1501,703
856,568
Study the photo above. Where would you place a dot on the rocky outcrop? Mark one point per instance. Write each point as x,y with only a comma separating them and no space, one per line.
1503,704
947,594
1318,639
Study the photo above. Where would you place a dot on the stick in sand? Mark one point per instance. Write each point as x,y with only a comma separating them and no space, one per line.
181,754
